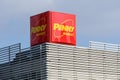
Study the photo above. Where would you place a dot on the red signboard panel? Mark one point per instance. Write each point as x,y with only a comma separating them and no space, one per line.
53,27
63,28
39,28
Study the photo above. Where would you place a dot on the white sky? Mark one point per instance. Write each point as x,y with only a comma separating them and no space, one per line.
97,20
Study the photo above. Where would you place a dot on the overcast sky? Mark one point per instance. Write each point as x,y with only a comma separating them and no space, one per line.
97,20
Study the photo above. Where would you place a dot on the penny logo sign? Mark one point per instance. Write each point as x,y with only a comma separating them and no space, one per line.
54,27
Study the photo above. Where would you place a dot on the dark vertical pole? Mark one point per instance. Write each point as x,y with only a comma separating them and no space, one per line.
19,47
9,53
9,62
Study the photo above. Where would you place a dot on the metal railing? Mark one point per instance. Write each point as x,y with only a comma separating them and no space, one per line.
104,46
8,53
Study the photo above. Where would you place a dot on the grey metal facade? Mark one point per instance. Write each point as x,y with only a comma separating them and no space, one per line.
50,61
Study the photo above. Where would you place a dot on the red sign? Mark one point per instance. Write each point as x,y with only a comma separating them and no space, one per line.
63,28
53,27
39,28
